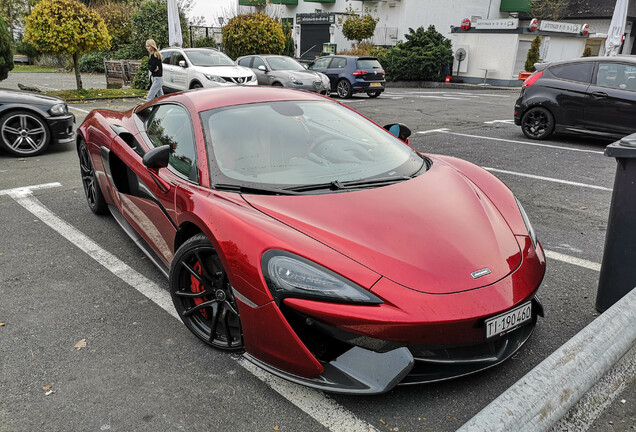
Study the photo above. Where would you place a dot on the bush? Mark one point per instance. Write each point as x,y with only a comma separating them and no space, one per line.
130,52
533,55
363,49
426,55
587,52
28,50
206,42
141,80
254,33
357,28
93,62
6,57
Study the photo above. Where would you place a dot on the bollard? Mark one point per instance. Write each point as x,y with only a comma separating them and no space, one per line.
618,269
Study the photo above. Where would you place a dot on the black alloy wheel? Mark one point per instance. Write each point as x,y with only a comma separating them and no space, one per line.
374,94
93,193
202,295
23,133
344,89
537,123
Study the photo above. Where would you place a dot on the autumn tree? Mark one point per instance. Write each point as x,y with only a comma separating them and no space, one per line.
6,58
253,34
357,28
118,19
66,27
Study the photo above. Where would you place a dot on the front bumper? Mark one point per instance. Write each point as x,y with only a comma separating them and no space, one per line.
62,128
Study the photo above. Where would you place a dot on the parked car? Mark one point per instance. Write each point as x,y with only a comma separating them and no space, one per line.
189,68
352,74
592,95
284,71
297,230
30,122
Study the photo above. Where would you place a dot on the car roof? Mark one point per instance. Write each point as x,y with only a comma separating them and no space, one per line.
189,49
357,57
217,97
608,59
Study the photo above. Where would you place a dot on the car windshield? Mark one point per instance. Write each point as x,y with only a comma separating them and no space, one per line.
209,58
284,63
292,143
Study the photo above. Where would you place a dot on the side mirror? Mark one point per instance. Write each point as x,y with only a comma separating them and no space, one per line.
399,130
183,64
262,68
157,158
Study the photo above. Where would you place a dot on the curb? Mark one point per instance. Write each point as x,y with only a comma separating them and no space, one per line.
601,356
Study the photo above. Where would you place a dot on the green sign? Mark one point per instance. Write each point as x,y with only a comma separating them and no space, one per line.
515,6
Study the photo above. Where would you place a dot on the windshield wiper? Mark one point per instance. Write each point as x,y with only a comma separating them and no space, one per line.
354,184
253,189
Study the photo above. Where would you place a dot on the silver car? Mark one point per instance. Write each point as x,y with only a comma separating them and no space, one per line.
284,71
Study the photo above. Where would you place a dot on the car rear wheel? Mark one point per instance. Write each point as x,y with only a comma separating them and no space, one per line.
374,94
202,295
93,193
23,133
196,85
537,123
344,89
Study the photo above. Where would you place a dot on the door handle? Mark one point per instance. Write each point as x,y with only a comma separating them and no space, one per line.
600,94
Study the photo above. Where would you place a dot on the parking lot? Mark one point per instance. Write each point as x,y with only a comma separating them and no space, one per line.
89,341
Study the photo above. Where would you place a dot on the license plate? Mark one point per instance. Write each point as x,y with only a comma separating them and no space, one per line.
375,85
508,321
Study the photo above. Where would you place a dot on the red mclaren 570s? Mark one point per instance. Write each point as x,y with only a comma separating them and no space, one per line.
320,244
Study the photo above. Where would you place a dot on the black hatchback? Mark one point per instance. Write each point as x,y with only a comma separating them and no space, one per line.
592,95
352,74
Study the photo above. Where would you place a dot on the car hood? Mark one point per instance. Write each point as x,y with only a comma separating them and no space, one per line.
301,75
429,234
15,96
229,71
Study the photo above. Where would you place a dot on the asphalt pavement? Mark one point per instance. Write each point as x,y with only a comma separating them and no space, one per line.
426,111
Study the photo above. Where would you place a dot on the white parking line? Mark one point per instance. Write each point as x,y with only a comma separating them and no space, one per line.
510,122
314,403
553,180
520,142
573,260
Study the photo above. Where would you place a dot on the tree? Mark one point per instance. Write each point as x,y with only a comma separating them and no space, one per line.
6,58
66,27
548,9
253,34
356,27
151,22
533,55
118,19
14,12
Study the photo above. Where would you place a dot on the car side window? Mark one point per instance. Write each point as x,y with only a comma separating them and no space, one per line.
339,63
167,56
258,62
170,125
321,63
178,57
580,72
245,61
616,75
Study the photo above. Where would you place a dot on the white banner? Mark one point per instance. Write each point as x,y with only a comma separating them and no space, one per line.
174,25
616,28
498,24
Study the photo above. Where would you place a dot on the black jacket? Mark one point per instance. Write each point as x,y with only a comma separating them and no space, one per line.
155,63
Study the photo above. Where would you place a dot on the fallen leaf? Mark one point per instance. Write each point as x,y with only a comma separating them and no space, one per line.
275,427
47,388
1,324
81,344
22,159
582,207
382,421
50,392
623,401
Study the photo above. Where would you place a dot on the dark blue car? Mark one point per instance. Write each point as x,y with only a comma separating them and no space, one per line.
352,74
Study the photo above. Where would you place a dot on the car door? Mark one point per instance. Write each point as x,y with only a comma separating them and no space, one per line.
262,76
149,202
611,98
322,65
168,80
567,84
180,71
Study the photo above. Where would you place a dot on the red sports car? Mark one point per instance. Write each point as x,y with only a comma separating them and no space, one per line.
295,229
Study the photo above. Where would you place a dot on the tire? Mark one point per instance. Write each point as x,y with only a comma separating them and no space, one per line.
277,84
202,295
196,85
24,133
537,123
343,88
94,197
374,94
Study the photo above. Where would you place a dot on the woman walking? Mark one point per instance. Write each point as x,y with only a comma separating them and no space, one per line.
155,67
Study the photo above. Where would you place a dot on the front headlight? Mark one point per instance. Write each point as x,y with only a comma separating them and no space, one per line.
58,109
289,275
295,80
215,78
526,220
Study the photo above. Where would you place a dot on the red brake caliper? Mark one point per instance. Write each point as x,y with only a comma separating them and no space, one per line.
197,287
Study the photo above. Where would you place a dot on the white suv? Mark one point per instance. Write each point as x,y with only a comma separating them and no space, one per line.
188,68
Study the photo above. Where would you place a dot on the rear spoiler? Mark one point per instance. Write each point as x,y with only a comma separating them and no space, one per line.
540,66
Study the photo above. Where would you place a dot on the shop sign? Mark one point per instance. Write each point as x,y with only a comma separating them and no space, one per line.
315,18
560,27
497,24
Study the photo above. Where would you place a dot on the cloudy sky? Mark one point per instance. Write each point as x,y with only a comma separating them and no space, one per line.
210,10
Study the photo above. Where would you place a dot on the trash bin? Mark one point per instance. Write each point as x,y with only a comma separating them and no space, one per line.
618,272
